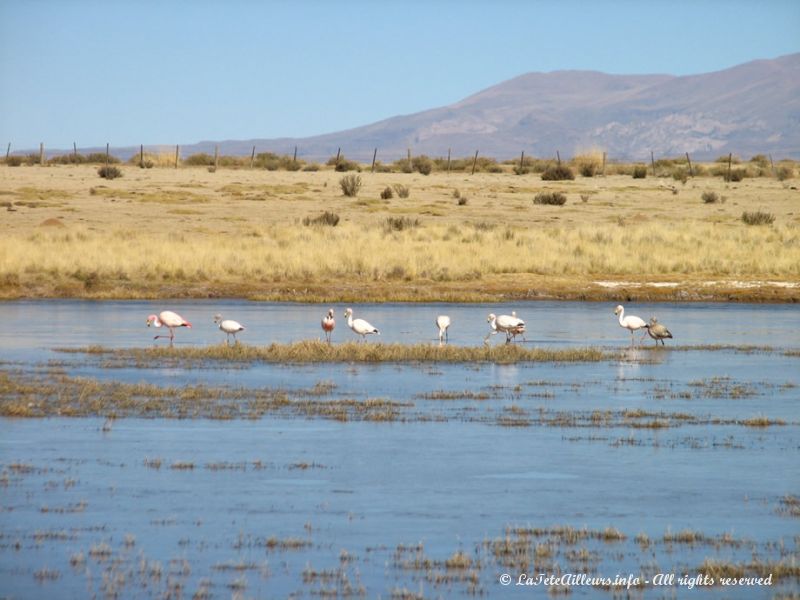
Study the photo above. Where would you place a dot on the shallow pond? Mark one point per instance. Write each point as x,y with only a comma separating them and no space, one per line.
486,469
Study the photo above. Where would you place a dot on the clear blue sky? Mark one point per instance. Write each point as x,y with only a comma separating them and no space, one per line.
180,72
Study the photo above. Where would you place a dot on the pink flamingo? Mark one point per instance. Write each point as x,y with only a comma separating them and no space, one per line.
328,324
169,320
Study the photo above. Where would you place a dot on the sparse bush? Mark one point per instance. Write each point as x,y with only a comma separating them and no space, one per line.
100,158
680,174
724,159
584,198
456,194
387,193
14,161
758,217
639,172
350,185
312,167
760,160
588,169
462,201
68,159
521,170
735,175
784,172
146,164
588,165
422,164
710,197
401,223
327,218
347,165
109,172
403,165
557,173
201,159
551,198
403,191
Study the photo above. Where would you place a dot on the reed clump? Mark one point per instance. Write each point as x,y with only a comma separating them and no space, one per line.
311,351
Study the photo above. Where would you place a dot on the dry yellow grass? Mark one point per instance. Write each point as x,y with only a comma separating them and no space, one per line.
243,235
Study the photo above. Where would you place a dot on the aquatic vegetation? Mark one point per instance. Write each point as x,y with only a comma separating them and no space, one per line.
350,352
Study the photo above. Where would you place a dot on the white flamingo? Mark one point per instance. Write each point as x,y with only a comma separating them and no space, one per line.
630,322
521,331
328,324
170,320
442,322
511,326
231,328
359,326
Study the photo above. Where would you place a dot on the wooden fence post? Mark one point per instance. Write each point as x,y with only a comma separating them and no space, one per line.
522,160
653,162
448,160
409,158
177,153
141,155
689,160
294,156
603,172
75,152
374,156
730,158
107,155
253,157
338,153
8,151
41,153
558,158
474,162
216,156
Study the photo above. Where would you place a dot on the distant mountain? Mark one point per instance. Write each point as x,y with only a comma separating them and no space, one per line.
748,109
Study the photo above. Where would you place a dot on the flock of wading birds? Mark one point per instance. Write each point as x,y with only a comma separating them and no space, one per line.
511,325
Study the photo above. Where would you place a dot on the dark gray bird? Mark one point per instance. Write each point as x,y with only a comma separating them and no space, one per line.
657,331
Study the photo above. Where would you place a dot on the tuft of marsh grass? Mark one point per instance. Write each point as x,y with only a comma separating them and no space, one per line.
355,352
327,218
558,173
350,185
109,172
400,223
757,217
550,198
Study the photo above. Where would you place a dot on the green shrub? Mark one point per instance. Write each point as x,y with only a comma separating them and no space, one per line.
403,191
327,218
557,173
109,172
401,223
758,217
387,193
639,172
551,198
350,185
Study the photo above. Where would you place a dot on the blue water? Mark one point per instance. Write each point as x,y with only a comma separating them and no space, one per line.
451,485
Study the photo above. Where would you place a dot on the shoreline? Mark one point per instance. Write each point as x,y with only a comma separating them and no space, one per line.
500,289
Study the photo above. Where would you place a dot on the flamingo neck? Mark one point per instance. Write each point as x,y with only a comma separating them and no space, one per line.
621,317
